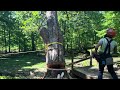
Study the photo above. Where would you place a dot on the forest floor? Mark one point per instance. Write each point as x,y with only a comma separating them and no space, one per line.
32,66
29,66
24,66
92,71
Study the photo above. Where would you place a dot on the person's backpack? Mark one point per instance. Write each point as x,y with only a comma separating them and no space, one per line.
105,55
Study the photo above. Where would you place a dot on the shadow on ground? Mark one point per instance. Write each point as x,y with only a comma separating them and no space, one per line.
14,66
94,71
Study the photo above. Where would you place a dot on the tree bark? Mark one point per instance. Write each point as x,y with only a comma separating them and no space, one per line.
19,43
53,40
9,40
5,41
24,44
33,43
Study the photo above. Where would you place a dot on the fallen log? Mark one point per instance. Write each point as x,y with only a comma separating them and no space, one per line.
80,60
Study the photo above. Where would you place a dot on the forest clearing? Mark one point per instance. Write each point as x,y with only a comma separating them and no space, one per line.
47,44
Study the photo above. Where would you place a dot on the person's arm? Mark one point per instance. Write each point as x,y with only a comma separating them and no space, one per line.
115,50
115,53
97,46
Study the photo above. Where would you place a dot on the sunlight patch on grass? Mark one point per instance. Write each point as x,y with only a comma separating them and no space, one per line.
17,60
36,66
83,63
8,77
20,70
4,58
28,62
87,63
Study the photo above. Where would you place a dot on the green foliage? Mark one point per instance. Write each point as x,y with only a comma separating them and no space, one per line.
17,28
80,28
101,33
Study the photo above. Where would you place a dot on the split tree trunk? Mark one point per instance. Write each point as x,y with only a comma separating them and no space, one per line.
53,40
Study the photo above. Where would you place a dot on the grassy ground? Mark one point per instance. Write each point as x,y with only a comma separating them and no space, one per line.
87,62
21,67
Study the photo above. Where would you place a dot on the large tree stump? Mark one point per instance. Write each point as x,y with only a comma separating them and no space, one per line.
56,74
53,40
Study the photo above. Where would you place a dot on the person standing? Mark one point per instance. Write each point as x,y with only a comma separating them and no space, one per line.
108,46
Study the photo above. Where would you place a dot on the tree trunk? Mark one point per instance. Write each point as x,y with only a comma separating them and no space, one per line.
9,40
79,42
19,43
5,41
2,41
53,40
24,44
64,29
33,44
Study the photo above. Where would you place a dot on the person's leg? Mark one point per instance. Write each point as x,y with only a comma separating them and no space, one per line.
101,70
112,72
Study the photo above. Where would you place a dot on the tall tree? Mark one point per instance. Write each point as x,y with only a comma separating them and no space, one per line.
53,40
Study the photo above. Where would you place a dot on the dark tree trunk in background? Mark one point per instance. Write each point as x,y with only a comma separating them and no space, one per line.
9,41
64,28
52,37
2,41
33,39
79,42
24,44
94,37
5,42
19,43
